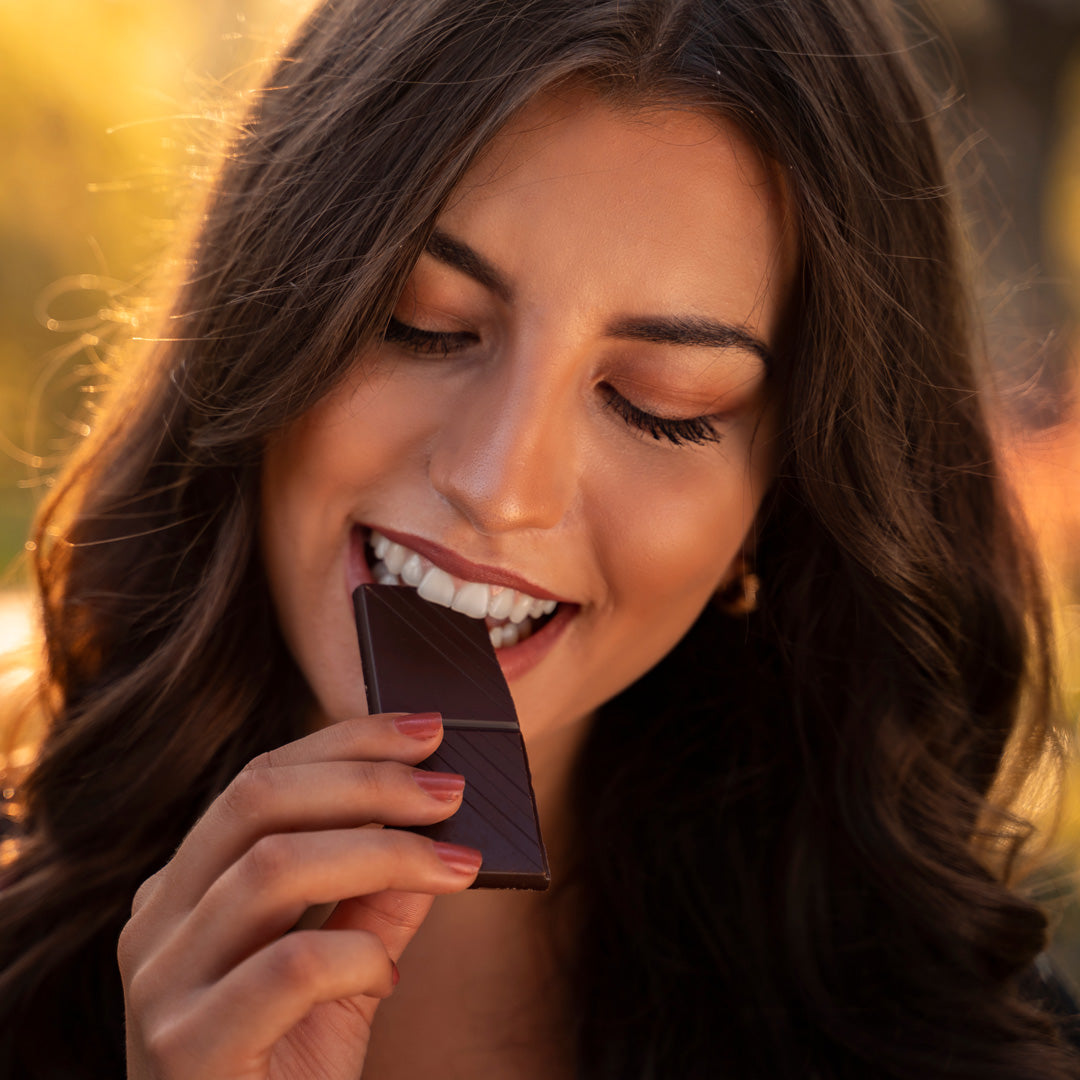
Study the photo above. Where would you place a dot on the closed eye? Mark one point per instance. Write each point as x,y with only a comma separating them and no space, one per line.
427,342
696,430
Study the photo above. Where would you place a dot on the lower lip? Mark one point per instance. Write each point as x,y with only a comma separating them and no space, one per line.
515,660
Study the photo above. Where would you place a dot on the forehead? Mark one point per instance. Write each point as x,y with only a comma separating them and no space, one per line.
648,132
674,207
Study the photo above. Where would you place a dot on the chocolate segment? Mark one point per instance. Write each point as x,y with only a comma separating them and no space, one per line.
419,656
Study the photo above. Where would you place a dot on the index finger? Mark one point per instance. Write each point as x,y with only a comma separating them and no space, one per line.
404,737
408,738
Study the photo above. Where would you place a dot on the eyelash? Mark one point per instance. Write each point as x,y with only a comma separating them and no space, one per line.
696,430
426,342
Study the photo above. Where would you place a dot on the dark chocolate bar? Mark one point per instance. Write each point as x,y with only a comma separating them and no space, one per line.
419,656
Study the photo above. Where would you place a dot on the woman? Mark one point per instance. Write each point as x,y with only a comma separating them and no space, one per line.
627,304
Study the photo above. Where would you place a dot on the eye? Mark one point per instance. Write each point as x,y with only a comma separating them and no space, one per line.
427,342
695,429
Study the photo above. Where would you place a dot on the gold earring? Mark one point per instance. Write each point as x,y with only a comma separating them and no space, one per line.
740,595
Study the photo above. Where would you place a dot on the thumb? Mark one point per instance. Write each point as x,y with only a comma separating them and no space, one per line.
393,915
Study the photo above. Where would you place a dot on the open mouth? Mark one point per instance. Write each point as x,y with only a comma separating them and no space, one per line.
510,616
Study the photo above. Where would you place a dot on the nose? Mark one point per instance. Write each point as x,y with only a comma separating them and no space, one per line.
506,457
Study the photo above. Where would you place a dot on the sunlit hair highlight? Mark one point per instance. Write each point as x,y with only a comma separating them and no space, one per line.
796,892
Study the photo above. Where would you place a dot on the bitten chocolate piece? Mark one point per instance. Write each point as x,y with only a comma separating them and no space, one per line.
419,656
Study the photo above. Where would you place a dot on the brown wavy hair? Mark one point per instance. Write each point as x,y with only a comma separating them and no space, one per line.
799,891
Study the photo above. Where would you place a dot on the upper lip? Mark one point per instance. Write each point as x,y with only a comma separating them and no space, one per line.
458,566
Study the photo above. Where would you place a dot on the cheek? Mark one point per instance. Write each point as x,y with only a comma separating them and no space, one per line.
292,513
668,540
349,444
332,464
675,533
302,470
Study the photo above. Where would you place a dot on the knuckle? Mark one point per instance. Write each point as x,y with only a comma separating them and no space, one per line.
399,853
400,774
378,960
261,762
145,892
137,989
347,738
384,779
368,773
270,858
127,953
248,793
294,961
164,1043
372,780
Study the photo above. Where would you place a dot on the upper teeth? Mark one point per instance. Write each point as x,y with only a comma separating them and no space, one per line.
474,598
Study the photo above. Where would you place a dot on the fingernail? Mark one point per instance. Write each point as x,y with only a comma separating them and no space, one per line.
440,785
465,860
421,725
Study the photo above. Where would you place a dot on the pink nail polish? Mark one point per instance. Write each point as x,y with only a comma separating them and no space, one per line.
440,785
419,725
464,860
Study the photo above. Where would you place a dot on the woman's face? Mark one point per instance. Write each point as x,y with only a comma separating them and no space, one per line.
571,405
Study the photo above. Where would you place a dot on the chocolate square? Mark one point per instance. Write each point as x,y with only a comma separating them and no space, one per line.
418,656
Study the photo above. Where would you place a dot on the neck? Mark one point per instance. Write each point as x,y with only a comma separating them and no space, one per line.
551,760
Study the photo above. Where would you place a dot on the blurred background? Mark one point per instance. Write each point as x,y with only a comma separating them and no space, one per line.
110,111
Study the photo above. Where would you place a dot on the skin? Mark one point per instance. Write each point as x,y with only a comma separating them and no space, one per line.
507,452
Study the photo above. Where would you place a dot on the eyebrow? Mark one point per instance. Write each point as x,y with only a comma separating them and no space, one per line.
457,254
692,330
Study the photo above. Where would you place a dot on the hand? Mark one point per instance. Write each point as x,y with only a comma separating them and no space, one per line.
215,985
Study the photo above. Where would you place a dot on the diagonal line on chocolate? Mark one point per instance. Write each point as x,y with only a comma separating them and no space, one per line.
444,647
429,632
501,785
524,842
424,657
